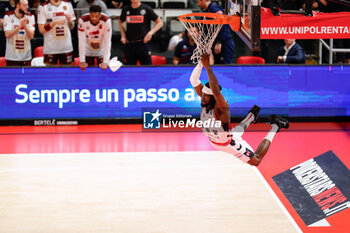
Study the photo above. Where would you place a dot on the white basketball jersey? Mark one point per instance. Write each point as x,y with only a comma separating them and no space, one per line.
18,46
95,40
58,39
215,134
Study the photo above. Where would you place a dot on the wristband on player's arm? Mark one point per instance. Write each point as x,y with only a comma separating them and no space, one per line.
47,27
194,79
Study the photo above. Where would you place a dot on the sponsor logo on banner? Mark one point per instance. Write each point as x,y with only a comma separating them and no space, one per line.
45,122
316,188
54,122
320,26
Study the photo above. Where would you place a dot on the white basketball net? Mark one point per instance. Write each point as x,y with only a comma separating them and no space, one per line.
204,36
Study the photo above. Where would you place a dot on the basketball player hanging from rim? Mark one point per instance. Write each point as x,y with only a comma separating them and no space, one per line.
215,107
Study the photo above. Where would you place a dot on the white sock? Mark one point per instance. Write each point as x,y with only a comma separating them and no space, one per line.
249,119
272,132
238,131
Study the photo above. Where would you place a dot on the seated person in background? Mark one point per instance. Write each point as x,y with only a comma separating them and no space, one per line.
19,26
291,53
88,3
95,34
185,48
174,40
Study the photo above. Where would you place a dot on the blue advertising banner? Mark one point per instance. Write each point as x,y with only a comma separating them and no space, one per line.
41,93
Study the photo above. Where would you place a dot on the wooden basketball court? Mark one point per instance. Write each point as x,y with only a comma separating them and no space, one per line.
120,179
135,192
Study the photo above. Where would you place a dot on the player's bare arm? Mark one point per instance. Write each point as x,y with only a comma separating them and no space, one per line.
11,33
214,84
70,22
123,38
157,26
47,27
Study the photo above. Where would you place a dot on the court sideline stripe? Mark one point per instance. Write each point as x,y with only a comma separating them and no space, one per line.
285,211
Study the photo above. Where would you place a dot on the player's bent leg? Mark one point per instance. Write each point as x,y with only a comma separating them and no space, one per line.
252,117
260,152
277,123
238,148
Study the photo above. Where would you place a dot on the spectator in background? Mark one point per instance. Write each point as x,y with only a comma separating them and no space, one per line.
95,34
55,20
184,48
225,34
138,18
175,40
19,26
291,53
87,3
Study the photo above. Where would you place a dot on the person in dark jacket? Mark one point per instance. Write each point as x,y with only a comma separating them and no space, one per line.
291,53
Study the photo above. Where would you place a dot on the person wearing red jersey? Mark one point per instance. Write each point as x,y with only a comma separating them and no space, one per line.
95,34
19,26
55,20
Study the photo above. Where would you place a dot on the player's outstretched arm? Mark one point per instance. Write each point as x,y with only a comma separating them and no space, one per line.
194,79
213,82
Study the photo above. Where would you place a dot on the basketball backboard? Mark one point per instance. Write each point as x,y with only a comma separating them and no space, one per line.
249,11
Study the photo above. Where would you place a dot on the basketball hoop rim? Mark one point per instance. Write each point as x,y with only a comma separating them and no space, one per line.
216,18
